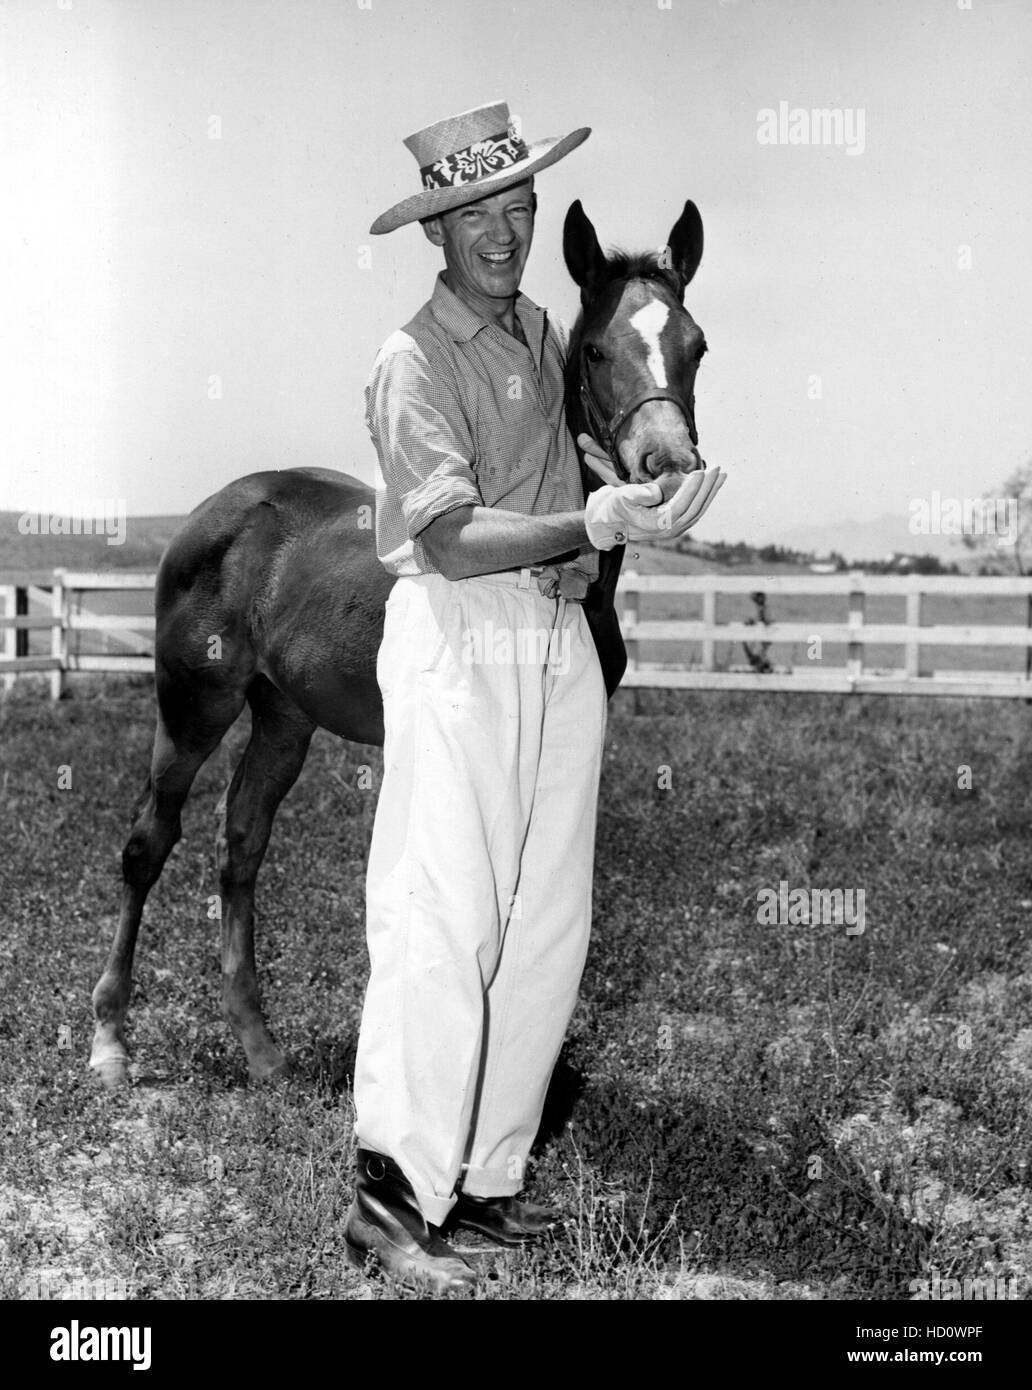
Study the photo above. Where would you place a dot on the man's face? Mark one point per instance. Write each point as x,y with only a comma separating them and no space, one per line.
486,243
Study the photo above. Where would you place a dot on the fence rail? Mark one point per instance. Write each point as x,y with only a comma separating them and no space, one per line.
62,592
57,597
852,630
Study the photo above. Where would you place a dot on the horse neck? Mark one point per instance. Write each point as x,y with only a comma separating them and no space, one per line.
575,420
574,411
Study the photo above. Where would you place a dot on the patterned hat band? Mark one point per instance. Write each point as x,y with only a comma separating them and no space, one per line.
476,161
470,156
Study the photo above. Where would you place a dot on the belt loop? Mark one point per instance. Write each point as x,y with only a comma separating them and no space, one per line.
525,578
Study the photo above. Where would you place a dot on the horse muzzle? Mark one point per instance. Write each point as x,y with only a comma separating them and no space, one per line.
654,456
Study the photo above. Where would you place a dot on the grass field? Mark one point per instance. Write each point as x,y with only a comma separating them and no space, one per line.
740,1111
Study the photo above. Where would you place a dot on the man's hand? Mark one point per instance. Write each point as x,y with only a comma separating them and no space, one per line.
686,497
642,512
613,515
660,510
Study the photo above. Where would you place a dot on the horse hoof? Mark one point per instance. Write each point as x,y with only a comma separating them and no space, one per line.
269,1073
112,1072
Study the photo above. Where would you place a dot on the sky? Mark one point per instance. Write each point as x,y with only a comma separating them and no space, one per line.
191,293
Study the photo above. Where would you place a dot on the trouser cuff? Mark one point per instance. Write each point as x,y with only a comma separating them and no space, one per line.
490,1182
435,1209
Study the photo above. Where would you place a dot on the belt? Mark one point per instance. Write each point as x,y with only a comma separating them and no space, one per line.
552,581
527,574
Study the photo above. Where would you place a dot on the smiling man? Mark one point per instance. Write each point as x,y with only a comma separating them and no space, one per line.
485,279
478,891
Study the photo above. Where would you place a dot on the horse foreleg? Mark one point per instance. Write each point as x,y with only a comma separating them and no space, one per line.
274,757
156,828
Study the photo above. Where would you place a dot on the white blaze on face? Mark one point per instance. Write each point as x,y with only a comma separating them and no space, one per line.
650,322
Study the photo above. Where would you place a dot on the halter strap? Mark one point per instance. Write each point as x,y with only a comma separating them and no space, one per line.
607,432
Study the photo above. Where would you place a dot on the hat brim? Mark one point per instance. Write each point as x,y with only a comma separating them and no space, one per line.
433,201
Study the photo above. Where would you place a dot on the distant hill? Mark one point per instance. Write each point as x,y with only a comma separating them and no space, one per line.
146,538
873,540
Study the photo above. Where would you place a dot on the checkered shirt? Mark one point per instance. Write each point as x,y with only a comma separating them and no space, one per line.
461,414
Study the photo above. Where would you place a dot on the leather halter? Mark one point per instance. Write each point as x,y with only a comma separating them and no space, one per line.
607,432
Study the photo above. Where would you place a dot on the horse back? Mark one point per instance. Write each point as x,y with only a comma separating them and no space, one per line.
281,568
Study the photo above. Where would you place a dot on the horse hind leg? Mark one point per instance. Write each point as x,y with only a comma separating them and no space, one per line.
275,755
188,731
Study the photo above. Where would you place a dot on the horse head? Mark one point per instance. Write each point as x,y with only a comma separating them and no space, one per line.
635,350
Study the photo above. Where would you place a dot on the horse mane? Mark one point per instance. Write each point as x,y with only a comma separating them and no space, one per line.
636,265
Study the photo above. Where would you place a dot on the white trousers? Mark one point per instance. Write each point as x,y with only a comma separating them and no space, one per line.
478,892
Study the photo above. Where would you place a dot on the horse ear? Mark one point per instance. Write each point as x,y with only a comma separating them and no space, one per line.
684,248
581,251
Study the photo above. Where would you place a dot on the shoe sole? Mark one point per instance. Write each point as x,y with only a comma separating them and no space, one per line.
359,1259
510,1242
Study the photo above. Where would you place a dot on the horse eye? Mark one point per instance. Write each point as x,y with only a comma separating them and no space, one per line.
592,353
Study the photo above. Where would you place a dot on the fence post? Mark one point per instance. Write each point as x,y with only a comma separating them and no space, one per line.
58,634
21,608
912,654
10,598
630,617
855,649
709,617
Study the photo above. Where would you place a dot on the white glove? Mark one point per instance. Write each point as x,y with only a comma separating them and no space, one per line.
615,515
662,510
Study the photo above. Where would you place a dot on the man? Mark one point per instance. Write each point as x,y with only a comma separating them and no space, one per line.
479,878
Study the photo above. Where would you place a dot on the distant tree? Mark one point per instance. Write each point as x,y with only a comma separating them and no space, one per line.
930,564
900,563
999,559
995,558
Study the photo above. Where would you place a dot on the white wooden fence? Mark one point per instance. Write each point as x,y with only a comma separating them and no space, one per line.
131,635
855,633
58,596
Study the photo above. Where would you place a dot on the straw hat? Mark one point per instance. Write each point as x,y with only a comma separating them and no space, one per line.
470,156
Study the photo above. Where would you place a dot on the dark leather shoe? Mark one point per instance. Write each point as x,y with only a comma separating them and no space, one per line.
502,1219
385,1221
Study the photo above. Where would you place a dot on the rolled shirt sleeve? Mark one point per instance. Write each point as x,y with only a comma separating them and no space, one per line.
420,434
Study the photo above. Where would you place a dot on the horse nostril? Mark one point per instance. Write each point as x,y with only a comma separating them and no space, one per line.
658,462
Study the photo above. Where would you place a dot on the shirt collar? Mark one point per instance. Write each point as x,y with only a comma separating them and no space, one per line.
464,323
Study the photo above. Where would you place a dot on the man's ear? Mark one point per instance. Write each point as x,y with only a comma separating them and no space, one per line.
434,230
